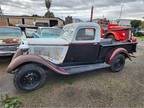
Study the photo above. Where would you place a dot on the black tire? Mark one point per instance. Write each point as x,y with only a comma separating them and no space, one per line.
118,63
30,77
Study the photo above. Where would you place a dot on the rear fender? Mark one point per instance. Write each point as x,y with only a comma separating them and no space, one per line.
117,51
23,59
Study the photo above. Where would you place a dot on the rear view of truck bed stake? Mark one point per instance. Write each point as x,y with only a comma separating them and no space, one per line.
78,49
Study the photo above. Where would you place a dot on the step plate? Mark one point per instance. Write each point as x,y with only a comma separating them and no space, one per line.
85,68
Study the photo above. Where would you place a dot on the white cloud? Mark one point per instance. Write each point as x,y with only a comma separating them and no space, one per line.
76,8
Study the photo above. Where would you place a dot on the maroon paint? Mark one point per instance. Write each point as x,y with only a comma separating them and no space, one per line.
15,63
18,53
118,51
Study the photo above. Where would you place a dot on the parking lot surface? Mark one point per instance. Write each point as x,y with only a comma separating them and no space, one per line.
97,89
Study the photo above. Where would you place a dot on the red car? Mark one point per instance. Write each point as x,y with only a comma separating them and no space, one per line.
114,31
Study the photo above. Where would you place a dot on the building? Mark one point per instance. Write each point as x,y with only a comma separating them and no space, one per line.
77,20
29,20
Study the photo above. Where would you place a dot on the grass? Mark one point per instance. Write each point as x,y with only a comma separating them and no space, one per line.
10,102
141,38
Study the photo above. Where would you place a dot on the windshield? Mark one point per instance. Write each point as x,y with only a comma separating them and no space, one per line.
50,32
47,33
12,32
67,33
29,32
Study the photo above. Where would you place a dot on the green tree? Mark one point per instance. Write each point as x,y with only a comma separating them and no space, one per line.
49,14
142,25
35,15
136,24
48,5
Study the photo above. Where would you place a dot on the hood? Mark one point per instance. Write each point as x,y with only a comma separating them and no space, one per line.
53,50
47,41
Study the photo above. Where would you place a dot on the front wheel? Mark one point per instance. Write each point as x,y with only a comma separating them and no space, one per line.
30,77
118,63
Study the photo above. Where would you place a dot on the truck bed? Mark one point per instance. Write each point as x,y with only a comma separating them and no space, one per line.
108,47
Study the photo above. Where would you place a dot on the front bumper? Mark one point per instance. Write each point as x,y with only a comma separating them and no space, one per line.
8,50
7,53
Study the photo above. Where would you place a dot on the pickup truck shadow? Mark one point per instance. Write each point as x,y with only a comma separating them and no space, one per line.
5,59
54,78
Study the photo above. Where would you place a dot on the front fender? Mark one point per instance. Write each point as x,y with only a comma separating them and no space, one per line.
18,53
115,34
23,59
116,52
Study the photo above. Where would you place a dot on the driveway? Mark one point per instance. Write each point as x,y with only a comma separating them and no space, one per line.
97,89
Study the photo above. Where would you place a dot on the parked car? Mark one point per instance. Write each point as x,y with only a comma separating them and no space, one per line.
47,32
40,32
79,49
140,33
10,38
114,31
28,30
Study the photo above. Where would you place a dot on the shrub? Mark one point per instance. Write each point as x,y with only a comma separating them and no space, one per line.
10,102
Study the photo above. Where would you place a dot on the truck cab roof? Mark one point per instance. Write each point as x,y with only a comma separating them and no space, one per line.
82,32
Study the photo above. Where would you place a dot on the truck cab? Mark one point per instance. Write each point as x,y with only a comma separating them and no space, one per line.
78,49
74,40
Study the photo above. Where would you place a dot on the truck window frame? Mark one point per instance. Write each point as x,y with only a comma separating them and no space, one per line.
84,39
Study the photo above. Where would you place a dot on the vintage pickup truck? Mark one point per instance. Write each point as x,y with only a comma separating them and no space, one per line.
79,49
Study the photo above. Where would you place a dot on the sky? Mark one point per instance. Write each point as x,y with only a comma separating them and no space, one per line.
76,8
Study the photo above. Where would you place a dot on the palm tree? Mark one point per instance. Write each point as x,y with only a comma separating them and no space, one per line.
48,5
1,13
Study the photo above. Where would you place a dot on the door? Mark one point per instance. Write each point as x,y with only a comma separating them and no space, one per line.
84,50
53,23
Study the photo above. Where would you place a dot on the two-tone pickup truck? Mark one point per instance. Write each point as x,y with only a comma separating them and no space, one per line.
79,49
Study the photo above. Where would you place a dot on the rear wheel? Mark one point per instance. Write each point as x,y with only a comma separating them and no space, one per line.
30,77
118,63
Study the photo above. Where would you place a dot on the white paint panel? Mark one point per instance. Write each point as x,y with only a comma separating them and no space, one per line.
48,41
54,54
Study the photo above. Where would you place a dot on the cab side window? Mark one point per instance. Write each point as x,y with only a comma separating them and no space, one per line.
86,34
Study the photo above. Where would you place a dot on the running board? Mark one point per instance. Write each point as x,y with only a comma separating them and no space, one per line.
85,68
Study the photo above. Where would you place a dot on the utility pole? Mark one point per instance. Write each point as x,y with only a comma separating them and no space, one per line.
91,17
92,9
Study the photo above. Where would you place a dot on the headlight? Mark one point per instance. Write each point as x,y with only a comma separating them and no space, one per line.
123,34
